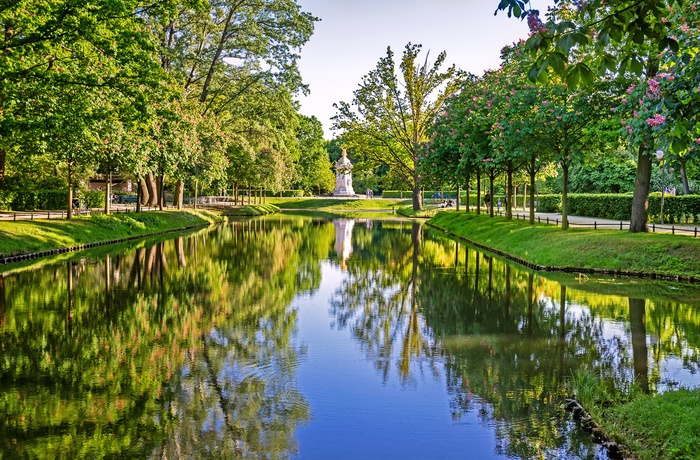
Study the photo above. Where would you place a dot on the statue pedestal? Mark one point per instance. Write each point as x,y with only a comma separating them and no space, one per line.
343,176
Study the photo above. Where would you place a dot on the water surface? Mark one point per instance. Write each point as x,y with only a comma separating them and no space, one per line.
297,338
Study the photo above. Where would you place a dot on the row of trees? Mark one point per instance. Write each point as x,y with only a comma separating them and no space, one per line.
184,93
611,78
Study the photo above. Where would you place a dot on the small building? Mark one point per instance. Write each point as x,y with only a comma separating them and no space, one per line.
343,176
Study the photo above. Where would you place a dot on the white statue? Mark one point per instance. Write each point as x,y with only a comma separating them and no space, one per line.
343,176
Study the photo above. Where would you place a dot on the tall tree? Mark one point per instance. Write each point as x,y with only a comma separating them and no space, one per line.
314,171
392,114
625,35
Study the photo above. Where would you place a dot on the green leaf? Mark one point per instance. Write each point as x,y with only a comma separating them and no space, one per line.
566,42
636,66
573,77
587,76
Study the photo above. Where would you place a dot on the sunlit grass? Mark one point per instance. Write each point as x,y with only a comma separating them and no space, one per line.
26,237
578,247
646,426
338,204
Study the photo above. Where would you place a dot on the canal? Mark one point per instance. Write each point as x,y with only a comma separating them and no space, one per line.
289,337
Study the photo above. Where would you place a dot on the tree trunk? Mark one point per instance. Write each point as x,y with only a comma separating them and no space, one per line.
640,199
478,193
457,201
492,177
509,193
139,194
195,193
69,214
152,191
179,193
108,190
144,192
532,193
565,196
161,191
415,195
466,189
684,178
3,156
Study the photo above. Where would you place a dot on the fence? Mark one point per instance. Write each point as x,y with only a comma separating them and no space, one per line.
621,225
62,214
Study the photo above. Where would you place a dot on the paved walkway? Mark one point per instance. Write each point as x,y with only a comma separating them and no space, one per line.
598,223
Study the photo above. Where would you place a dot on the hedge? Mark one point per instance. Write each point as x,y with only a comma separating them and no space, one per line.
677,209
409,194
31,200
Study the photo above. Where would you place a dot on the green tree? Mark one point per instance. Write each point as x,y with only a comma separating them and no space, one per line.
392,116
626,36
313,166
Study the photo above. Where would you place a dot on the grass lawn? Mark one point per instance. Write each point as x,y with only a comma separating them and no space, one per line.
550,246
338,204
26,237
646,427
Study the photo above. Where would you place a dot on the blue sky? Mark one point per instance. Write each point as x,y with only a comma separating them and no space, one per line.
353,34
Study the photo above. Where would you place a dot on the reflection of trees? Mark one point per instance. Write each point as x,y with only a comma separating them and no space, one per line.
673,328
508,339
377,302
182,348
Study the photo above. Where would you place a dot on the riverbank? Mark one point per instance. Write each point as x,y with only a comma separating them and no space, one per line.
23,239
583,250
641,426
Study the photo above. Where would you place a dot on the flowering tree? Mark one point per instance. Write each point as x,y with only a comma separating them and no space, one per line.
618,36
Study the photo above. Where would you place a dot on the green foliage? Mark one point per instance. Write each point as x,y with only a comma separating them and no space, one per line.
391,114
549,203
677,209
603,174
649,426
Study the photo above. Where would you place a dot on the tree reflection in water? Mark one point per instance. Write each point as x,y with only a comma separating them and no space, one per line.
179,349
505,339
185,348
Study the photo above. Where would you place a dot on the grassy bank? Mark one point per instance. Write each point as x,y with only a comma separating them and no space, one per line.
549,246
644,427
27,237
338,204
251,210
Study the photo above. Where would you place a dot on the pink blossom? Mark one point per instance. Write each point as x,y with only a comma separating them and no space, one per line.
656,120
629,129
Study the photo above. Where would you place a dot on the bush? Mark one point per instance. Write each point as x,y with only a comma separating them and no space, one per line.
605,206
677,209
93,198
32,200
549,203
6,198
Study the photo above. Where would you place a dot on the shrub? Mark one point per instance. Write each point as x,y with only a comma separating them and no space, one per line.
549,203
6,198
605,206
